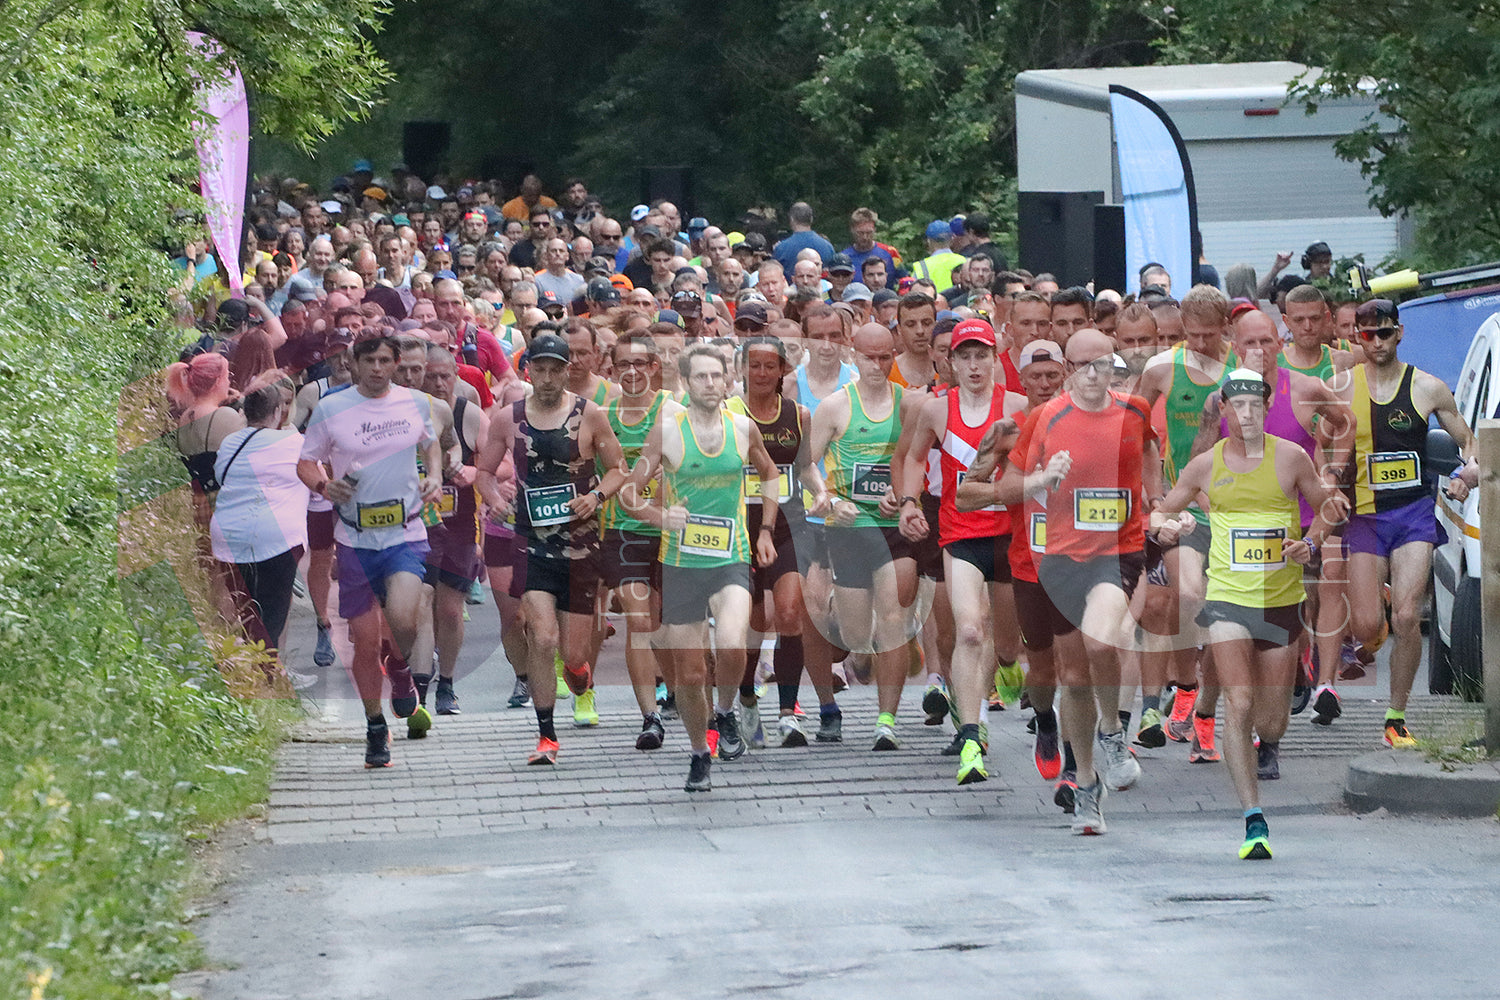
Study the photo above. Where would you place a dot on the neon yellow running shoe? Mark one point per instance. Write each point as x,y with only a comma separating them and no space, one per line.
1009,682
971,764
562,685
584,713
1257,846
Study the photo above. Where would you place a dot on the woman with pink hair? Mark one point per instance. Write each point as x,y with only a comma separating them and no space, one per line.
199,392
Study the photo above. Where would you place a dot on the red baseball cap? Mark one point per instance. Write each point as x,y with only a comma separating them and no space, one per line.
972,330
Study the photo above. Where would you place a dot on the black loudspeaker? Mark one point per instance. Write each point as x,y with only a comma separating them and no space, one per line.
424,147
1056,233
1109,248
674,184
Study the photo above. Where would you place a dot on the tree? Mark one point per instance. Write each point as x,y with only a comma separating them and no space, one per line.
1430,65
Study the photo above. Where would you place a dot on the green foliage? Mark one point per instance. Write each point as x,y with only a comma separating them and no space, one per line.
1432,69
113,732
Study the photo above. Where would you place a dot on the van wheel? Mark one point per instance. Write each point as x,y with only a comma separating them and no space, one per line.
1439,662
1466,661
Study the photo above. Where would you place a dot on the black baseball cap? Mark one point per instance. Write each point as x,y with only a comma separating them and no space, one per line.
547,345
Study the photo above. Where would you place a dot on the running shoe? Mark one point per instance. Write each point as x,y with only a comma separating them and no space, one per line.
475,595
1120,768
377,743
971,764
545,752
731,742
661,693
1257,846
750,725
1009,682
1326,706
1031,725
954,746
792,733
997,704
584,712
713,740
1180,721
1397,736
446,702
1088,816
323,654
1065,792
885,738
1307,673
418,723
1151,733
562,685
935,704
1268,762
403,689
698,768
652,734
669,707
1202,750
1354,657
300,681
1048,754
578,681
830,728
520,694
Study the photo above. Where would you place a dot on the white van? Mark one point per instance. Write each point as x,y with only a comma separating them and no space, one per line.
1454,661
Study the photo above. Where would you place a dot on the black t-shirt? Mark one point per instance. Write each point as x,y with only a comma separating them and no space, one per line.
639,272
523,254
991,251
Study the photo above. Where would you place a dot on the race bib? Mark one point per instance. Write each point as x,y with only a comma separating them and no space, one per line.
752,484
384,514
1038,531
547,506
1100,510
1257,550
707,536
447,503
1394,470
870,482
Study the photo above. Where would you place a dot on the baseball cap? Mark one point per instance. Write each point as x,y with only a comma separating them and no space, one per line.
840,263
364,167
755,241
670,316
687,301
956,225
1040,350
547,299
605,266
1244,382
639,212
435,193
622,282
332,207
1318,249
400,219
1375,310
752,312
973,331
937,229
547,345
697,224
736,238
303,293
858,291
883,296
596,288
445,273
609,295
377,193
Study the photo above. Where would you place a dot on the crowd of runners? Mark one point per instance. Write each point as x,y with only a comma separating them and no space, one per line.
944,473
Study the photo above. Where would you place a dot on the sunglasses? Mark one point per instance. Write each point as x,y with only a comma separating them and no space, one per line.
1383,332
1101,366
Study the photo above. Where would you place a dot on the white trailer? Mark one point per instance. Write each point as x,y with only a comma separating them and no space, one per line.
1266,175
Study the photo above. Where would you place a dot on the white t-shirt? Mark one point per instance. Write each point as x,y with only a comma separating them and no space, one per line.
374,441
261,510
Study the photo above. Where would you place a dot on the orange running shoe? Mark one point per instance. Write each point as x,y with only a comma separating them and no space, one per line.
545,753
1202,750
578,682
1180,719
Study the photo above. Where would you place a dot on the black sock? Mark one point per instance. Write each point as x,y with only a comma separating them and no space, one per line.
1150,701
378,719
1046,721
421,681
970,731
1255,817
445,682
788,661
702,753
786,696
1124,719
1188,687
747,692
544,724
1069,764
829,710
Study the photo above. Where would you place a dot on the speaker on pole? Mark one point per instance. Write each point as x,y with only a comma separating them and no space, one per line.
1109,247
1056,233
